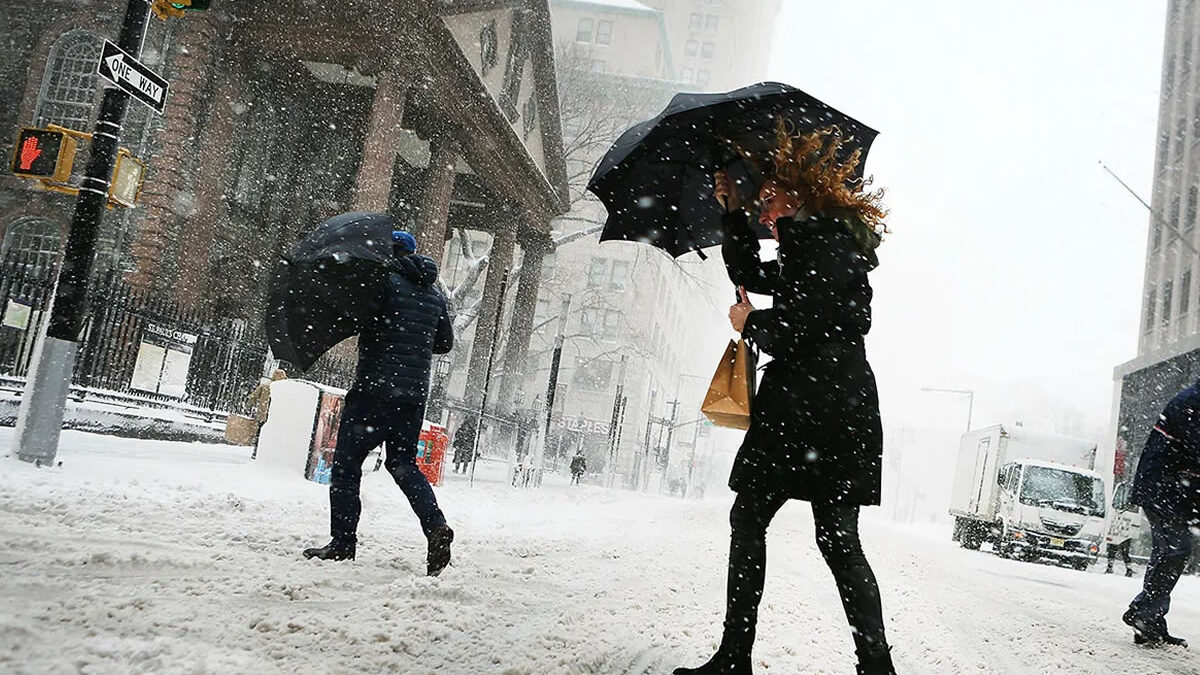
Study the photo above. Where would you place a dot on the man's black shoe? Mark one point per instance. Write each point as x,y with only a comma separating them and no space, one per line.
438,556
331,551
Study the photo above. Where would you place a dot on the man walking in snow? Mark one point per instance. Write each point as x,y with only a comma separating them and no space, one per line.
386,404
578,466
1167,487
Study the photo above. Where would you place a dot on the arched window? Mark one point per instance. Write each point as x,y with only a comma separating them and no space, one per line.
256,165
68,94
33,241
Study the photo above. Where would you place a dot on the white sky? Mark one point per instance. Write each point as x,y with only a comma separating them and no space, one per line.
1015,266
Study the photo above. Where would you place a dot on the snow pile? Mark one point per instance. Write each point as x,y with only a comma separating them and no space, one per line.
140,556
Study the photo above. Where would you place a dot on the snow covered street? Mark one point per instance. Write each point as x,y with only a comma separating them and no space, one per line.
141,556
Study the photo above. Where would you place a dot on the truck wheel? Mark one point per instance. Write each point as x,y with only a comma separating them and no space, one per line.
971,537
1082,565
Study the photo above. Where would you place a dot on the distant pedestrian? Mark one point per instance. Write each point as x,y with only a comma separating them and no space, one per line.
1167,487
386,403
260,404
578,467
1120,548
815,431
464,442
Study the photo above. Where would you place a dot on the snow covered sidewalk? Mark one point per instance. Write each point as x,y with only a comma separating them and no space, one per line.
141,556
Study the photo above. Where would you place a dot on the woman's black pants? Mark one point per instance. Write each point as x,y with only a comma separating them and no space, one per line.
837,538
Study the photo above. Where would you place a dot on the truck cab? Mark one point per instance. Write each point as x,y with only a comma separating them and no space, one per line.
1049,510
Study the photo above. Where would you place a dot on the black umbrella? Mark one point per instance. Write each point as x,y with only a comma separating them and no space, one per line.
321,292
656,180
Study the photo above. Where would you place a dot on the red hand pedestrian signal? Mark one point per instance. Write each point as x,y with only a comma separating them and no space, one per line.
43,153
29,153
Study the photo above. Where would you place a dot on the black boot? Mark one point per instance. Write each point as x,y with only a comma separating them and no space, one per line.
720,664
876,663
1167,638
334,550
1128,571
1144,632
438,556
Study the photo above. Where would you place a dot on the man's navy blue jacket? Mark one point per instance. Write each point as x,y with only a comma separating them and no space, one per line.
412,323
1168,473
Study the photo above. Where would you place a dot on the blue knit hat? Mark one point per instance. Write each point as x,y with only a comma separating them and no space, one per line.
404,241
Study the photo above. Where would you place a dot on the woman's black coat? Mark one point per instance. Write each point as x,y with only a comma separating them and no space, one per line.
814,430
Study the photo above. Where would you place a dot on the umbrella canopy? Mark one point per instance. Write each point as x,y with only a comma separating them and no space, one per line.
321,291
656,180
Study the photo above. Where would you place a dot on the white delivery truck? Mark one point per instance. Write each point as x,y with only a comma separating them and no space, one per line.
1032,495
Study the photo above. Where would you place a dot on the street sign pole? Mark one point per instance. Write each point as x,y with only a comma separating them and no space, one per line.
39,422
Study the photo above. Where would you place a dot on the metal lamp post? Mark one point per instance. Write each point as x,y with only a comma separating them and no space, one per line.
437,404
967,392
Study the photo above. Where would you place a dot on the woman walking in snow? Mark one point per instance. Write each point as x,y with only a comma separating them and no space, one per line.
815,433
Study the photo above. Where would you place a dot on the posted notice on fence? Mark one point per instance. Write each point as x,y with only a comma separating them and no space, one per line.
16,315
163,361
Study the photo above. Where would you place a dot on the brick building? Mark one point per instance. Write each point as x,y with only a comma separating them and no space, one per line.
442,112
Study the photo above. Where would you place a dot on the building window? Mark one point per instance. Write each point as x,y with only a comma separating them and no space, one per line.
711,22
603,32
686,75
251,180
593,374
708,50
1189,217
695,22
1185,291
1173,214
612,321
68,94
489,46
702,77
1185,76
691,48
1156,241
1151,296
597,270
529,115
1165,311
32,241
619,280
599,66
584,32
1169,80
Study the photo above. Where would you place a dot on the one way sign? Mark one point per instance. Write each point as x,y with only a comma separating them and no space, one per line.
120,68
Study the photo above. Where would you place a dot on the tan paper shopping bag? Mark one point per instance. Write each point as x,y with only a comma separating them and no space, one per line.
732,388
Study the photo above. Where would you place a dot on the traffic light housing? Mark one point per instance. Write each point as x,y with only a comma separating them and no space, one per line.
128,176
165,9
45,154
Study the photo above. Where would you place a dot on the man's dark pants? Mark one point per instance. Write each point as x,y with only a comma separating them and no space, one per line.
1172,543
367,422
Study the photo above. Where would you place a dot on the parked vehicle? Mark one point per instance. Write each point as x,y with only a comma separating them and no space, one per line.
1031,495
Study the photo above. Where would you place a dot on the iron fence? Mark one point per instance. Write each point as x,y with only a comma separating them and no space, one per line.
142,346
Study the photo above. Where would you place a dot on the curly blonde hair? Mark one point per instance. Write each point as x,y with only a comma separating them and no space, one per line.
808,167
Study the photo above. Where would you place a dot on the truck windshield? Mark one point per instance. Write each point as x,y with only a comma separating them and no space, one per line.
1063,490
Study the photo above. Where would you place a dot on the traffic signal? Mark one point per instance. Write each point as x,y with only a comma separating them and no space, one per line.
127,178
47,154
165,9
191,5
